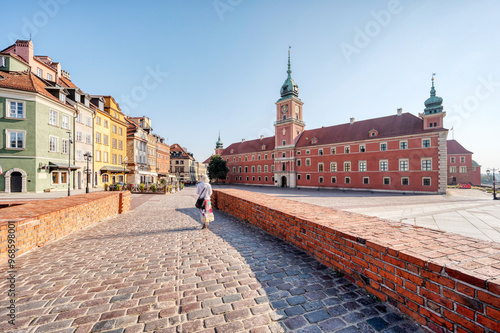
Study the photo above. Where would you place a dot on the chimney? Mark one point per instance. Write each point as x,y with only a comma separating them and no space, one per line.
242,140
352,120
261,137
400,111
24,49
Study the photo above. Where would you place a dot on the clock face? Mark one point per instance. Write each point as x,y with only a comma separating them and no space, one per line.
296,109
284,108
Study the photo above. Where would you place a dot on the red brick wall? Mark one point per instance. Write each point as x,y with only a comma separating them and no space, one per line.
41,222
446,282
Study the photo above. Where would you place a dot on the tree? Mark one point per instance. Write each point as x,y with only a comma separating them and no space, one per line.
217,168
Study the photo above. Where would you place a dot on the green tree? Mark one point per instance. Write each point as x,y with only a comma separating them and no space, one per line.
217,168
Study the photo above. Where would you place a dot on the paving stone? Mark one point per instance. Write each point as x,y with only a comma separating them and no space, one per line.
332,324
314,317
294,311
230,327
104,325
58,325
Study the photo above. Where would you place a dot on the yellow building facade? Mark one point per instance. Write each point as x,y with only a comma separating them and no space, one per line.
118,141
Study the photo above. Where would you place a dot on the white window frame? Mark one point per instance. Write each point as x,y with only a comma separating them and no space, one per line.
333,151
383,180
2,61
453,169
383,143
105,157
347,165
53,118
426,178
79,136
49,76
333,167
423,143
452,159
425,168
362,148
308,177
98,156
347,180
320,152
333,179
8,141
79,155
386,165
65,146
308,162
362,166
321,167
39,72
407,163
321,179
79,117
347,149
8,109
367,180
56,140
403,142
462,159
403,178
88,138
462,169
120,131
105,139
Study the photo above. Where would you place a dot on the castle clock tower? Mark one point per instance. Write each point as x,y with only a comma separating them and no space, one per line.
288,127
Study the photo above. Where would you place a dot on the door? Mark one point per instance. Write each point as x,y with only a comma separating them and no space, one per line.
16,182
283,181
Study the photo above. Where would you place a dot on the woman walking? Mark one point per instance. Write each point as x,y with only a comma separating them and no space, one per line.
204,189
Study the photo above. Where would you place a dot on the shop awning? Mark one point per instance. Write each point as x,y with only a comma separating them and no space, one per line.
60,165
113,169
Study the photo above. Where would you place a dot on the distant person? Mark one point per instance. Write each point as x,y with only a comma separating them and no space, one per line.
204,189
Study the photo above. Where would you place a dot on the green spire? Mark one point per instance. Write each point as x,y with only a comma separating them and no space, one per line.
219,144
289,88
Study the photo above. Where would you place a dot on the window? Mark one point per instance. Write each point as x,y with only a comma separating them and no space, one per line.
333,151
265,178
258,157
65,146
403,144
239,169
246,169
283,155
98,137
334,180
79,136
320,152
383,146
426,143
384,165
463,169
97,120
105,139
362,148
272,168
308,161
427,164
49,77
298,177
404,165
426,181
16,110
308,152
253,157
79,118
2,61
98,155
333,166
120,145
52,144
39,72
347,149
266,168
59,177
62,97
114,158
16,139
114,143
405,181
462,159
53,117
308,177
321,180
259,179
105,178
387,181
234,169
246,158
347,166
298,162
247,178
321,167
120,131
105,157
362,166
253,178
265,156
347,180
114,128
105,123
366,180
253,169
79,155
452,159
259,169
88,138
283,166
453,169
284,143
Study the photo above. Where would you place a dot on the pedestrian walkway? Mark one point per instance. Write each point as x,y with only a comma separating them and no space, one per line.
154,269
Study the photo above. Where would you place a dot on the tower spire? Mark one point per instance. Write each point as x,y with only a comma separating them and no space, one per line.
289,71
289,88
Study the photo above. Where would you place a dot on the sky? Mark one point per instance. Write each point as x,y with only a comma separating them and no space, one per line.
197,67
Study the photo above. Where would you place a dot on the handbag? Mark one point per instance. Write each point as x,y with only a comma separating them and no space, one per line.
200,203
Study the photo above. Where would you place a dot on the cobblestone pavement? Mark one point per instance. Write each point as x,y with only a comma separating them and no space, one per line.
154,269
467,212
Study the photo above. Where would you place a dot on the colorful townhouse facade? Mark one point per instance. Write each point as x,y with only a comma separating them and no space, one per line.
118,139
182,164
162,157
141,126
37,123
397,153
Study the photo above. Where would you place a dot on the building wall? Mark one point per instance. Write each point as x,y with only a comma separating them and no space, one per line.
117,126
100,148
456,163
82,146
476,175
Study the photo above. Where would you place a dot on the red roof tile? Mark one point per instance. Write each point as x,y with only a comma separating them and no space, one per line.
454,147
251,146
389,126
67,83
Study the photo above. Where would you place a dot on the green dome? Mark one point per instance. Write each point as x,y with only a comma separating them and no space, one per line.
433,104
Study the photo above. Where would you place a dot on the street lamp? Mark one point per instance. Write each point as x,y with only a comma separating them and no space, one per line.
494,190
124,163
87,156
69,162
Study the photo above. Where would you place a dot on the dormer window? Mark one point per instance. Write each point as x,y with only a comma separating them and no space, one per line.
62,97
49,76
373,133
263,147
2,62
39,72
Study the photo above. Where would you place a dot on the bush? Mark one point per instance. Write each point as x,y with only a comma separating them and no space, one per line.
106,186
142,187
118,187
153,188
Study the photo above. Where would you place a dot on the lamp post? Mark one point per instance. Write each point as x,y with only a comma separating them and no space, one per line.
494,189
87,156
69,162
124,163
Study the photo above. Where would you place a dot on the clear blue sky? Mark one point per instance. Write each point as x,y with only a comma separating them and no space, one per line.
219,65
